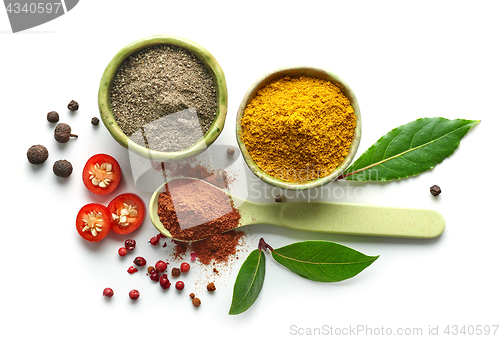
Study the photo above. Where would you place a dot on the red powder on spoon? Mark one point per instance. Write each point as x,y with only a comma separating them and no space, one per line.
193,209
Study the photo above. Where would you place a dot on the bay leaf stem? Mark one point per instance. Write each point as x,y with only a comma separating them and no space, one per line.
263,245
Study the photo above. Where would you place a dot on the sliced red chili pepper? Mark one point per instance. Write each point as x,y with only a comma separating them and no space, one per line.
101,174
93,222
128,212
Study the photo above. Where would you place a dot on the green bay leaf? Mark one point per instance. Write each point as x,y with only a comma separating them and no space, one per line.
322,261
409,149
249,282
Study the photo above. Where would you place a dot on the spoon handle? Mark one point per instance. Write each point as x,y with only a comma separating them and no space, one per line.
346,218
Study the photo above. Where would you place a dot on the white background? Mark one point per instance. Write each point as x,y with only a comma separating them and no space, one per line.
403,60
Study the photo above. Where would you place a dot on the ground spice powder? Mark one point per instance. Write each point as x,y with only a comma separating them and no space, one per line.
193,209
298,128
156,82
192,169
217,248
195,202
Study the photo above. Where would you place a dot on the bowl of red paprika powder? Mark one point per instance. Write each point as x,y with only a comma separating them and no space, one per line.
162,77
298,127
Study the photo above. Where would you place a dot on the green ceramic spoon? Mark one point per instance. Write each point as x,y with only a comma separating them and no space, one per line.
330,217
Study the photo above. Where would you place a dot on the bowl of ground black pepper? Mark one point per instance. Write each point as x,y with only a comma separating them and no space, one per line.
298,127
163,98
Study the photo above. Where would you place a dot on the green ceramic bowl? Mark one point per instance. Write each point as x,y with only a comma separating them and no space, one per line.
299,71
211,64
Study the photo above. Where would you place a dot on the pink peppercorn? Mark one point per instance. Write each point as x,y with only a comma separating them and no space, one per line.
179,285
130,244
154,240
164,282
140,261
161,266
132,270
153,275
108,292
134,294
122,251
185,267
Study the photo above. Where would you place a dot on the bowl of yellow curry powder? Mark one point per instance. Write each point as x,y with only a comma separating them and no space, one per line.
299,127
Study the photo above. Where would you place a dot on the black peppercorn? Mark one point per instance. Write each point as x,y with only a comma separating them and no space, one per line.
95,121
278,198
62,168
73,106
230,151
435,190
52,116
37,154
62,133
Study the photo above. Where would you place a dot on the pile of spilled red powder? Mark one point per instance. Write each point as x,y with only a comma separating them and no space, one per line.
193,209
